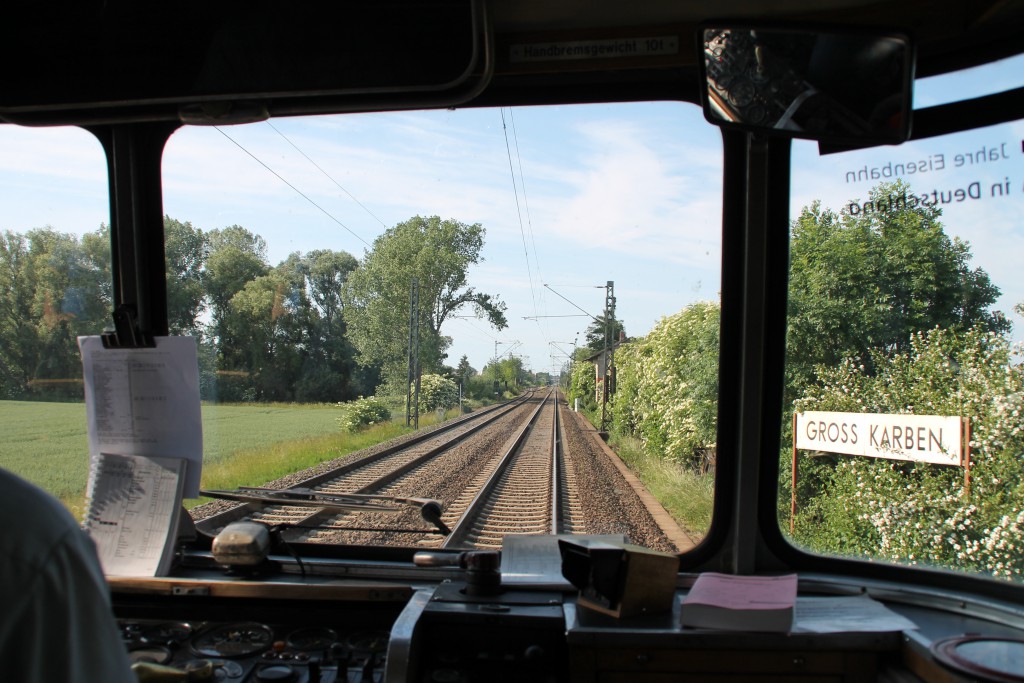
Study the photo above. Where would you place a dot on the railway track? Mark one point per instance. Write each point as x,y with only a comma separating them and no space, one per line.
522,494
366,476
467,485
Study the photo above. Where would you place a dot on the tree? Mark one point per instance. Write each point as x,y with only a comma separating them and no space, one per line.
236,256
18,324
326,272
330,372
268,319
582,382
464,371
438,253
596,335
870,280
185,254
508,372
57,287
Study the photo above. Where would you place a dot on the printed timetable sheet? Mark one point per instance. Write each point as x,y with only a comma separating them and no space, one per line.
132,514
144,401
145,450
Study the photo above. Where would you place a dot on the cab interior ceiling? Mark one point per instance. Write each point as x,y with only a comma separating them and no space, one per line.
396,63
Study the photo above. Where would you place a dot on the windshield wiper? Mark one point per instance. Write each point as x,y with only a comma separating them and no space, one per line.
430,509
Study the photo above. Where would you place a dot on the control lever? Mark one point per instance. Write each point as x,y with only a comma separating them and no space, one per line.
483,568
435,559
430,510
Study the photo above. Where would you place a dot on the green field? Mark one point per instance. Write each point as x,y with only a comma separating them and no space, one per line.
47,444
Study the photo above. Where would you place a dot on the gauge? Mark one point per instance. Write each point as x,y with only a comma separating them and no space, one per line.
233,640
167,633
742,92
153,654
313,638
368,641
755,114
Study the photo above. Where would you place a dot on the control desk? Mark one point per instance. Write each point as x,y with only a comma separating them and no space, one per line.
431,624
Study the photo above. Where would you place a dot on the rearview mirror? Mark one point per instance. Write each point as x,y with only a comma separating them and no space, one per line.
831,86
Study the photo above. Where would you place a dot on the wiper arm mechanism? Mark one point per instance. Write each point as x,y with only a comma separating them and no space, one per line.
429,508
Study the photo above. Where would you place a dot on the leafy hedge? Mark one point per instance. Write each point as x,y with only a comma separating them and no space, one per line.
917,513
667,385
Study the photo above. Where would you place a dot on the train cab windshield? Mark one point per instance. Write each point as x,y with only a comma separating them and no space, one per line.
736,297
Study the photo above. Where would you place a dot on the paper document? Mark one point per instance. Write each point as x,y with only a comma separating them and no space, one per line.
535,560
144,401
133,511
846,614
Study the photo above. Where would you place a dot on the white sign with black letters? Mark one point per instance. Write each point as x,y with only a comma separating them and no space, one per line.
920,438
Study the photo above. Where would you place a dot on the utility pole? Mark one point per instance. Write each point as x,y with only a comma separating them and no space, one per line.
412,384
609,350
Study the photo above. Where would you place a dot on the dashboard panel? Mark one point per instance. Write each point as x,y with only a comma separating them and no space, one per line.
313,630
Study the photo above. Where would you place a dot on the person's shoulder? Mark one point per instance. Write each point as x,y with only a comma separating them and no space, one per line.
36,520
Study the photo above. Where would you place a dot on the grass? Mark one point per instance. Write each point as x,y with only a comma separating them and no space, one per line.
686,495
47,444
243,445
256,466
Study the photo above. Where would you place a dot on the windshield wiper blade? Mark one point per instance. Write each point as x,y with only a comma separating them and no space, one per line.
285,497
429,508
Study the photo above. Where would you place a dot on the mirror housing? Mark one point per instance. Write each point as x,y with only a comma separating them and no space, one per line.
833,85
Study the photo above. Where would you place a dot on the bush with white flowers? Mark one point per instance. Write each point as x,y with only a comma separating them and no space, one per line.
914,513
667,385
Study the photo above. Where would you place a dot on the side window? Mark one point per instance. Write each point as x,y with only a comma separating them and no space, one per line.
904,385
56,282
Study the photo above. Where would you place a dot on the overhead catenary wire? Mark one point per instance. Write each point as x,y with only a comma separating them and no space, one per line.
297,190
522,185
519,213
328,175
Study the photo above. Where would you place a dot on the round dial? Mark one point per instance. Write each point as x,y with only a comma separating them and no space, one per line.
313,638
233,640
742,92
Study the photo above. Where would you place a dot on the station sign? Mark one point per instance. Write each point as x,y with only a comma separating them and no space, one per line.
919,438
938,439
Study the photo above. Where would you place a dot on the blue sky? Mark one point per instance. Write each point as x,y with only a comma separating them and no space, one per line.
570,197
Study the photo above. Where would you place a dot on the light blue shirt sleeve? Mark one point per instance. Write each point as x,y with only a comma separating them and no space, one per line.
56,623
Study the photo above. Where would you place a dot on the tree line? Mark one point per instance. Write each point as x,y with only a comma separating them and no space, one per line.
319,326
861,286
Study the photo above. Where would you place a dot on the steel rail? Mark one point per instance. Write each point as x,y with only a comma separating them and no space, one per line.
463,528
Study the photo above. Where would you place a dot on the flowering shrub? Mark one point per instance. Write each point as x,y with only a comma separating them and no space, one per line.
583,384
362,413
667,386
916,513
438,393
